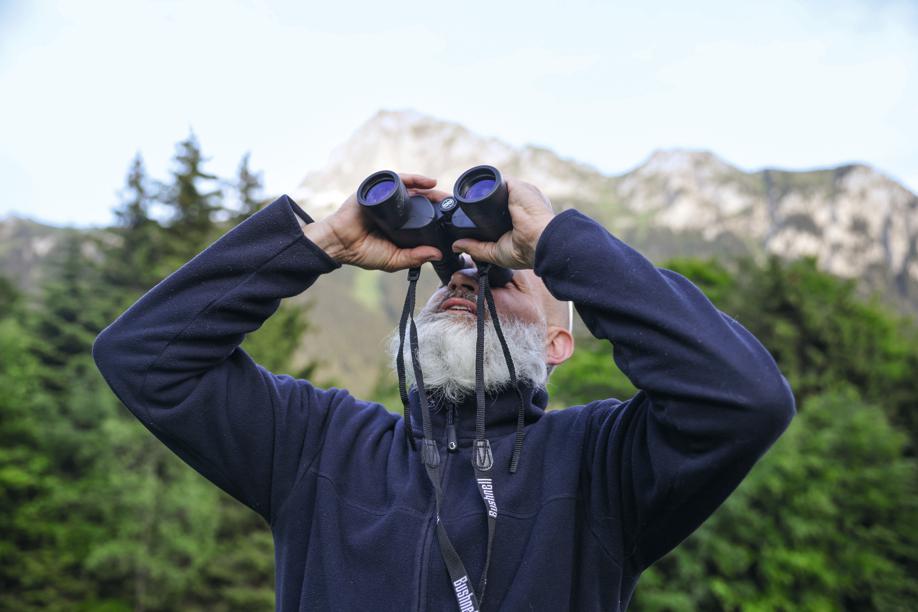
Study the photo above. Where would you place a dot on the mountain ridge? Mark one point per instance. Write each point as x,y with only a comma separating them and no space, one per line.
857,222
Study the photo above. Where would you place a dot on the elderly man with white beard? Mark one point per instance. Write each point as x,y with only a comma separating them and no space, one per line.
447,337
599,491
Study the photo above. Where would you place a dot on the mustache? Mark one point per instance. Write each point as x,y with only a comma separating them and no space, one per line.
471,296
433,308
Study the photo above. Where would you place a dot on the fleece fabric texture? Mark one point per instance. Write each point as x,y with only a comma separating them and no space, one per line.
603,490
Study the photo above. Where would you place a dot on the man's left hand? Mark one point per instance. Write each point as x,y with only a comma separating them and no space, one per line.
530,212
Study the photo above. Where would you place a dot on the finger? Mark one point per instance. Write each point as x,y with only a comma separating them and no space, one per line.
517,189
418,181
412,258
480,251
434,195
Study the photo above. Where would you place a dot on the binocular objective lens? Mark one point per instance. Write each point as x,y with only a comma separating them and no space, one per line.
379,192
479,189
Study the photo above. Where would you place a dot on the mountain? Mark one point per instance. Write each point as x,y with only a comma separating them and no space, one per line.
856,221
24,245
412,142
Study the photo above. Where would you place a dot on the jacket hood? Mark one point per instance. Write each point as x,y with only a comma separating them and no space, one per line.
500,415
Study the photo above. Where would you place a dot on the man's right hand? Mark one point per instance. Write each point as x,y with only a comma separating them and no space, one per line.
347,238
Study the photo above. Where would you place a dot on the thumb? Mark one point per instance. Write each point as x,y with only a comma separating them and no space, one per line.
412,258
480,251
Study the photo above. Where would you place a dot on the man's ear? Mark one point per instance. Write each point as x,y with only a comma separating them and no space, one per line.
559,345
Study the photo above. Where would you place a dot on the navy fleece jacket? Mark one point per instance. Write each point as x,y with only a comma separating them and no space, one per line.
603,490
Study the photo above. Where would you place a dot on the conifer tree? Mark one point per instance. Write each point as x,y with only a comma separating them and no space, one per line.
192,199
827,521
23,468
70,314
9,298
133,250
248,186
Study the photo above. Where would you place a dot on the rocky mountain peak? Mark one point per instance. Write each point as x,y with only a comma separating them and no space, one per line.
408,141
682,162
852,218
685,186
404,141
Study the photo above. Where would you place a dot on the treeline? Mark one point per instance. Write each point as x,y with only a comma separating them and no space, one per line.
828,520
96,514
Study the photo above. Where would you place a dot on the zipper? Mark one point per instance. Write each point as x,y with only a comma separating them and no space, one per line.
425,561
430,540
452,442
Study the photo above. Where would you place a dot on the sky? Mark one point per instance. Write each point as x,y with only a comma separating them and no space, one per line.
85,86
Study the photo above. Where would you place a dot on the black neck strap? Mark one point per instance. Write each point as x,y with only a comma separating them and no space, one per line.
482,458
485,295
413,275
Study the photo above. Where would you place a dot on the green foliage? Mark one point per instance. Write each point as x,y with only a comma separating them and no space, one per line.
96,514
709,275
275,344
161,518
588,375
24,473
385,391
134,250
827,521
248,186
191,200
10,298
69,316
819,332
239,573
367,290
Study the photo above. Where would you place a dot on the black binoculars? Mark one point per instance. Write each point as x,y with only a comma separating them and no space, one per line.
477,210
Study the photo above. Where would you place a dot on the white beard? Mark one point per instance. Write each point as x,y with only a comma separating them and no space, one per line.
447,343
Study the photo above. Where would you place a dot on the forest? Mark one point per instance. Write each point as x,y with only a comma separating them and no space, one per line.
96,514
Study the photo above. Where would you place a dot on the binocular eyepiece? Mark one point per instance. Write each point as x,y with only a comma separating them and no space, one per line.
478,209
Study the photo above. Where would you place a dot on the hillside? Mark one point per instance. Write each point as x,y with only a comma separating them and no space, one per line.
857,222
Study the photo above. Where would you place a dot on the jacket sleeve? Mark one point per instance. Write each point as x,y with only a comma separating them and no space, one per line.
711,399
173,359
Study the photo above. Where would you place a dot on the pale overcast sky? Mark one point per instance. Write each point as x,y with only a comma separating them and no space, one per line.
84,85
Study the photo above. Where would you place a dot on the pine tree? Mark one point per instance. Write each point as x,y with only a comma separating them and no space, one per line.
248,186
134,211
95,512
59,515
192,201
70,314
827,521
133,250
23,468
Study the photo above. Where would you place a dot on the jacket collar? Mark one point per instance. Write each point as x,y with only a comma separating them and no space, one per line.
500,412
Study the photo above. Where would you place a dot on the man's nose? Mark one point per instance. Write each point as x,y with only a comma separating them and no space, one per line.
465,279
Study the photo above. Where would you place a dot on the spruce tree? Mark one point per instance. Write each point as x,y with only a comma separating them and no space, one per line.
191,199
828,520
70,314
23,468
248,186
133,250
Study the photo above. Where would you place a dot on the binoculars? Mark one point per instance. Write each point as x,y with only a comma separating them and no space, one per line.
478,209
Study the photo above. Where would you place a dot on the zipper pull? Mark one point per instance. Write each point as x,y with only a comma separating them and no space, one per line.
452,443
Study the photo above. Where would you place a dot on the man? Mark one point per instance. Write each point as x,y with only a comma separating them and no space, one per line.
601,491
